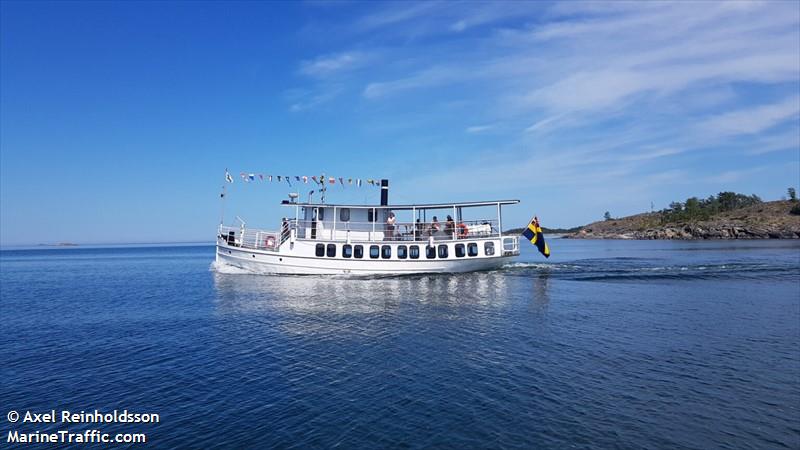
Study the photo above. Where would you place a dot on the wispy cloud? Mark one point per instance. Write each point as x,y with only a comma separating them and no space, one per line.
326,65
475,129
752,120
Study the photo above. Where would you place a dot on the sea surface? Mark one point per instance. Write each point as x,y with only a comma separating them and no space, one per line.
608,344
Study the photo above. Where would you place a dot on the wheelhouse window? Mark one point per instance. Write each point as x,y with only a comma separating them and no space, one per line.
371,215
402,251
386,252
488,248
413,251
320,213
374,251
443,251
472,249
320,250
347,251
430,252
358,251
344,214
331,250
460,251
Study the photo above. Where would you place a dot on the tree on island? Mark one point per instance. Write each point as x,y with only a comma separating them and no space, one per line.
701,209
792,194
607,215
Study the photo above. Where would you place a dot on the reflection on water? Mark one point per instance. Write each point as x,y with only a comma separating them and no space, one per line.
310,294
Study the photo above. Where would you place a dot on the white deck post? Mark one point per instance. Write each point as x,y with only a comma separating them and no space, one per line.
333,231
413,223
499,220
454,236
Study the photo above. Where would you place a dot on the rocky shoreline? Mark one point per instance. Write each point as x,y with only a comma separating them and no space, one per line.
691,232
771,220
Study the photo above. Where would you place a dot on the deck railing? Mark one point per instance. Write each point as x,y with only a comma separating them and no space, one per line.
356,232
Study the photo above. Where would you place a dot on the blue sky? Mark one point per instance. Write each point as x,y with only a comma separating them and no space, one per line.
118,119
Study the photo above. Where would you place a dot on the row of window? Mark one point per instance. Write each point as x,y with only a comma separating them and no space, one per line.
344,214
404,251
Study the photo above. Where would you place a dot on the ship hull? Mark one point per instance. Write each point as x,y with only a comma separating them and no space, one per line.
281,262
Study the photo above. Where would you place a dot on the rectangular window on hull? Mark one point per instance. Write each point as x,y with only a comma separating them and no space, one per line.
413,252
331,250
386,252
358,251
488,248
320,250
402,251
347,251
430,252
460,251
374,251
472,249
443,251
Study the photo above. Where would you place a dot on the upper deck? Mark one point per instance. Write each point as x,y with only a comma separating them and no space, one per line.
380,223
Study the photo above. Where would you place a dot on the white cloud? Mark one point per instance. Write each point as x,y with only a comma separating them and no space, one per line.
475,129
330,64
752,120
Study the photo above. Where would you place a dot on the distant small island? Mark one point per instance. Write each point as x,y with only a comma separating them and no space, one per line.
727,215
60,244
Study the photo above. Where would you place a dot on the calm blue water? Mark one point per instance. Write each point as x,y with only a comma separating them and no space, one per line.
607,344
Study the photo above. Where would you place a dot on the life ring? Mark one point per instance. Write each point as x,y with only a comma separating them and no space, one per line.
270,241
462,231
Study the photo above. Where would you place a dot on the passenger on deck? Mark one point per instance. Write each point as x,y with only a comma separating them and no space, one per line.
435,226
449,227
390,226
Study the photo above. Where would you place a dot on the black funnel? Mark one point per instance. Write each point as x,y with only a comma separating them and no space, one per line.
384,192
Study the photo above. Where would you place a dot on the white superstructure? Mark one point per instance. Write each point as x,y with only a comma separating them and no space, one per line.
373,240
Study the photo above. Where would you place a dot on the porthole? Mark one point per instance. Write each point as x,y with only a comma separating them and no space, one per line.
430,252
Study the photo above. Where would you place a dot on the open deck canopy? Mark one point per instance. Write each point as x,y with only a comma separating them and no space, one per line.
417,206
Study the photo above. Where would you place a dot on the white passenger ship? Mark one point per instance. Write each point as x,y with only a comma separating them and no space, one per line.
330,239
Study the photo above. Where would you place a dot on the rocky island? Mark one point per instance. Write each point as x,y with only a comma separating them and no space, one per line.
718,217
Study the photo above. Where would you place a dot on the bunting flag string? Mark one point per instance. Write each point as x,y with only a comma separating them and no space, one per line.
321,180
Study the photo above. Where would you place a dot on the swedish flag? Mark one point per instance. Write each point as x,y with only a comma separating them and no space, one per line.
534,234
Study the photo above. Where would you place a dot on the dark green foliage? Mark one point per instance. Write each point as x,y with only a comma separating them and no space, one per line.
795,209
792,194
607,215
701,209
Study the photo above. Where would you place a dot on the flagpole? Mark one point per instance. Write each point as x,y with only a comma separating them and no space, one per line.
222,212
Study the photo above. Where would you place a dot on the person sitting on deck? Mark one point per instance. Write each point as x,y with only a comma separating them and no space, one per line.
435,226
390,226
450,227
